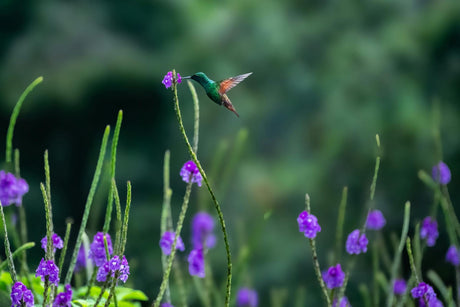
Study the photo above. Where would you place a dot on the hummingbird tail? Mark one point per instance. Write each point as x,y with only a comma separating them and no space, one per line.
228,104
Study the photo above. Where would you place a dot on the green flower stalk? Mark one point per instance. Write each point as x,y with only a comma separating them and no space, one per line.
89,202
211,192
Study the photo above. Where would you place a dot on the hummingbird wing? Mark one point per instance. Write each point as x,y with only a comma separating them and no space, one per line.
228,84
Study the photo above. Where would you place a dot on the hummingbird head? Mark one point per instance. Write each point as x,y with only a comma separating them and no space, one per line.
200,77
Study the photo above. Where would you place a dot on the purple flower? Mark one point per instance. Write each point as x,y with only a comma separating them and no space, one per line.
202,228
196,263
424,291
356,243
334,276
453,256
63,299
166,305
124,269
375,220
308,224
429,230
97,248
103,271
20,294
169,78
399,286
167,240
343,302
12,189
191,172
81,259
57,242
441,173
48,268
247,298
114,266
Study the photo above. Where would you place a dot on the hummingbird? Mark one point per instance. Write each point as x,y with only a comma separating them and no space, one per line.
217,91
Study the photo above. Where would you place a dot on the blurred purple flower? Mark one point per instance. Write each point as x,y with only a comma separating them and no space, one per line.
441,173
63,299
167,240
375,220
202,231
247,298
166,305
334,276
21,295
191,172
308,224
343,302
12,189
424,291
57,242
81,259
356,242
453,256
167,80
97,249
48,268
196,263
429,230
399,286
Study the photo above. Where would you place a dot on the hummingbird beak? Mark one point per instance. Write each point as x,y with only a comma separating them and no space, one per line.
188,77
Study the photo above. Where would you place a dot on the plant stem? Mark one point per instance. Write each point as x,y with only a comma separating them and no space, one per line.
14,116
180,222
397,257
315,258
211,192
9,256
88,204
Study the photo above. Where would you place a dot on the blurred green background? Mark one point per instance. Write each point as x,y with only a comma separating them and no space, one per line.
327,76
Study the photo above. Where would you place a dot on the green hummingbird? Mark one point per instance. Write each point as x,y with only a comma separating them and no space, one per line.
217,90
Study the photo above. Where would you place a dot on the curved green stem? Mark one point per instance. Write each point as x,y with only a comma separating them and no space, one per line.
213,197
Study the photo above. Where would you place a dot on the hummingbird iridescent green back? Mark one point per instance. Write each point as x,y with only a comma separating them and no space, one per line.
217,90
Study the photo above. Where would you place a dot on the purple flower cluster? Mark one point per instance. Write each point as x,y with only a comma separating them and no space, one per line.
57,242
334,277
441,173
97,249
63,299
21,295
453,256
12,189
424,291
399,286
167,240
308,224
375,220
166,305
429,230
114,266
191,172
47,268
169,78
247,298
356,242
196,263
202,231
343,302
